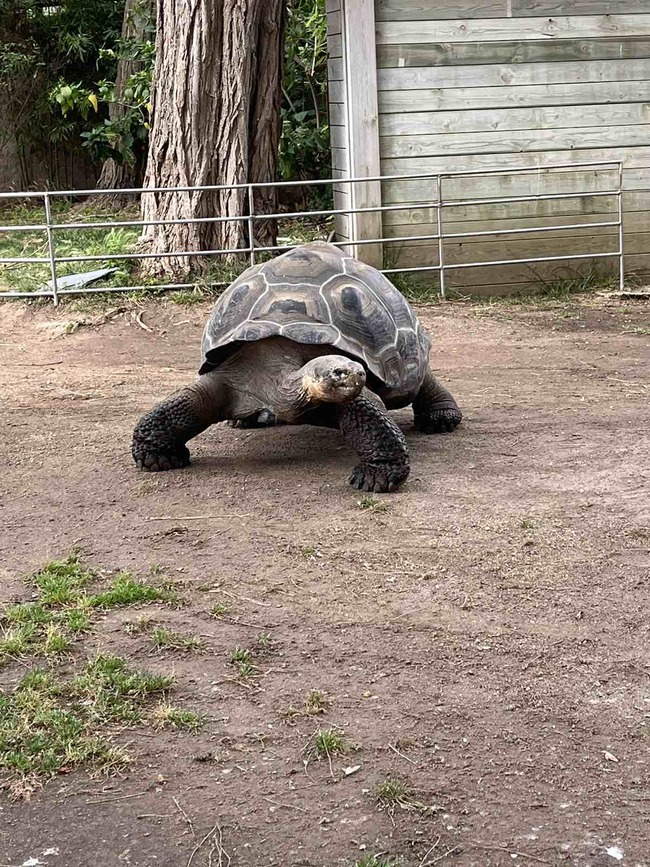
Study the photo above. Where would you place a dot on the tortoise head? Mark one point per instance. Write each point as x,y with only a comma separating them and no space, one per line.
333,379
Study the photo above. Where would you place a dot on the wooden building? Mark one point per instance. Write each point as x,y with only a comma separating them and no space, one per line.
421,86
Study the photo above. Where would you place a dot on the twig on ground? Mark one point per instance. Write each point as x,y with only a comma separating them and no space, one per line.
288,806
442,857
118,798
510,852
397,752
217,846
427,853
246,599
139,321
185,816
193,517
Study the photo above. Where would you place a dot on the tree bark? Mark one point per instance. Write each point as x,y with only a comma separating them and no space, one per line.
116,175
216,120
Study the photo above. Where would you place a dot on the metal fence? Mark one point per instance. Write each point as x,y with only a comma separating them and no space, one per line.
253,251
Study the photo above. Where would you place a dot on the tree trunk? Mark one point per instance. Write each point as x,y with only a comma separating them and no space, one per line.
114,175
216,120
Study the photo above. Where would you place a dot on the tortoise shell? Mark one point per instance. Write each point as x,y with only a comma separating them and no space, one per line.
316,294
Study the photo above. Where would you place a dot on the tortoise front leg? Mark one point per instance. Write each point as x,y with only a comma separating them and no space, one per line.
379,443
159,437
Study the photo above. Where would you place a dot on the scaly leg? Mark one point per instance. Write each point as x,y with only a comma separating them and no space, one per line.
379,443
434,409
159,437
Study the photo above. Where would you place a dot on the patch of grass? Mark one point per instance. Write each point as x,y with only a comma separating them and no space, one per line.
555,291
76,620
316,702
126,590
264,641
167,639
27,612
112,692
17,641
246,669
527,524
240,654
391,793
166,716
60,582
329,742
55,641
48,724
219,610
140,626
310,552
372,504
101,242
190,297
243,662
378,861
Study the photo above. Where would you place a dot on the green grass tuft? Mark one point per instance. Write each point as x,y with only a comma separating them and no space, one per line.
17,641
111,691
126,590
60,582
48,724
55,641
167,639
76,620
391,793
167,716
240,654
27,612
378,861
372,504
329,742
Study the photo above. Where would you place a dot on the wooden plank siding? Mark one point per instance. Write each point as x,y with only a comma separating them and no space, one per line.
466,86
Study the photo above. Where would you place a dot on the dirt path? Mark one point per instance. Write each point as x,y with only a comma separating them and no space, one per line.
485,640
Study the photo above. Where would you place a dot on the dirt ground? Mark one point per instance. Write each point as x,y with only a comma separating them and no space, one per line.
485,640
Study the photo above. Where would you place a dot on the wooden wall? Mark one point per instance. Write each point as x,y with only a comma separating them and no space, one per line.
465,85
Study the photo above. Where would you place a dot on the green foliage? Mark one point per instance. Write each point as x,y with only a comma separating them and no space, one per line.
304,146
121,102
43,45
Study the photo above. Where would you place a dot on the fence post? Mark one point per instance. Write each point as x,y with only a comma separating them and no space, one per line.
50,247
441,246
621,233
251,223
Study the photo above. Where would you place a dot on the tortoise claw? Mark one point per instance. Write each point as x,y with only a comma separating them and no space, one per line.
438,421
378,478
155,462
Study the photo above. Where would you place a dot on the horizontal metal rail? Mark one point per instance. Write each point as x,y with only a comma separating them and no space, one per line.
438,203
575,167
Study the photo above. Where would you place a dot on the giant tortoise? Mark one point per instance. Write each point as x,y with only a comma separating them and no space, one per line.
311,337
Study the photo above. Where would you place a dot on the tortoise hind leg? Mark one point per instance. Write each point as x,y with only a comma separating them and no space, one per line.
434,409
159,437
